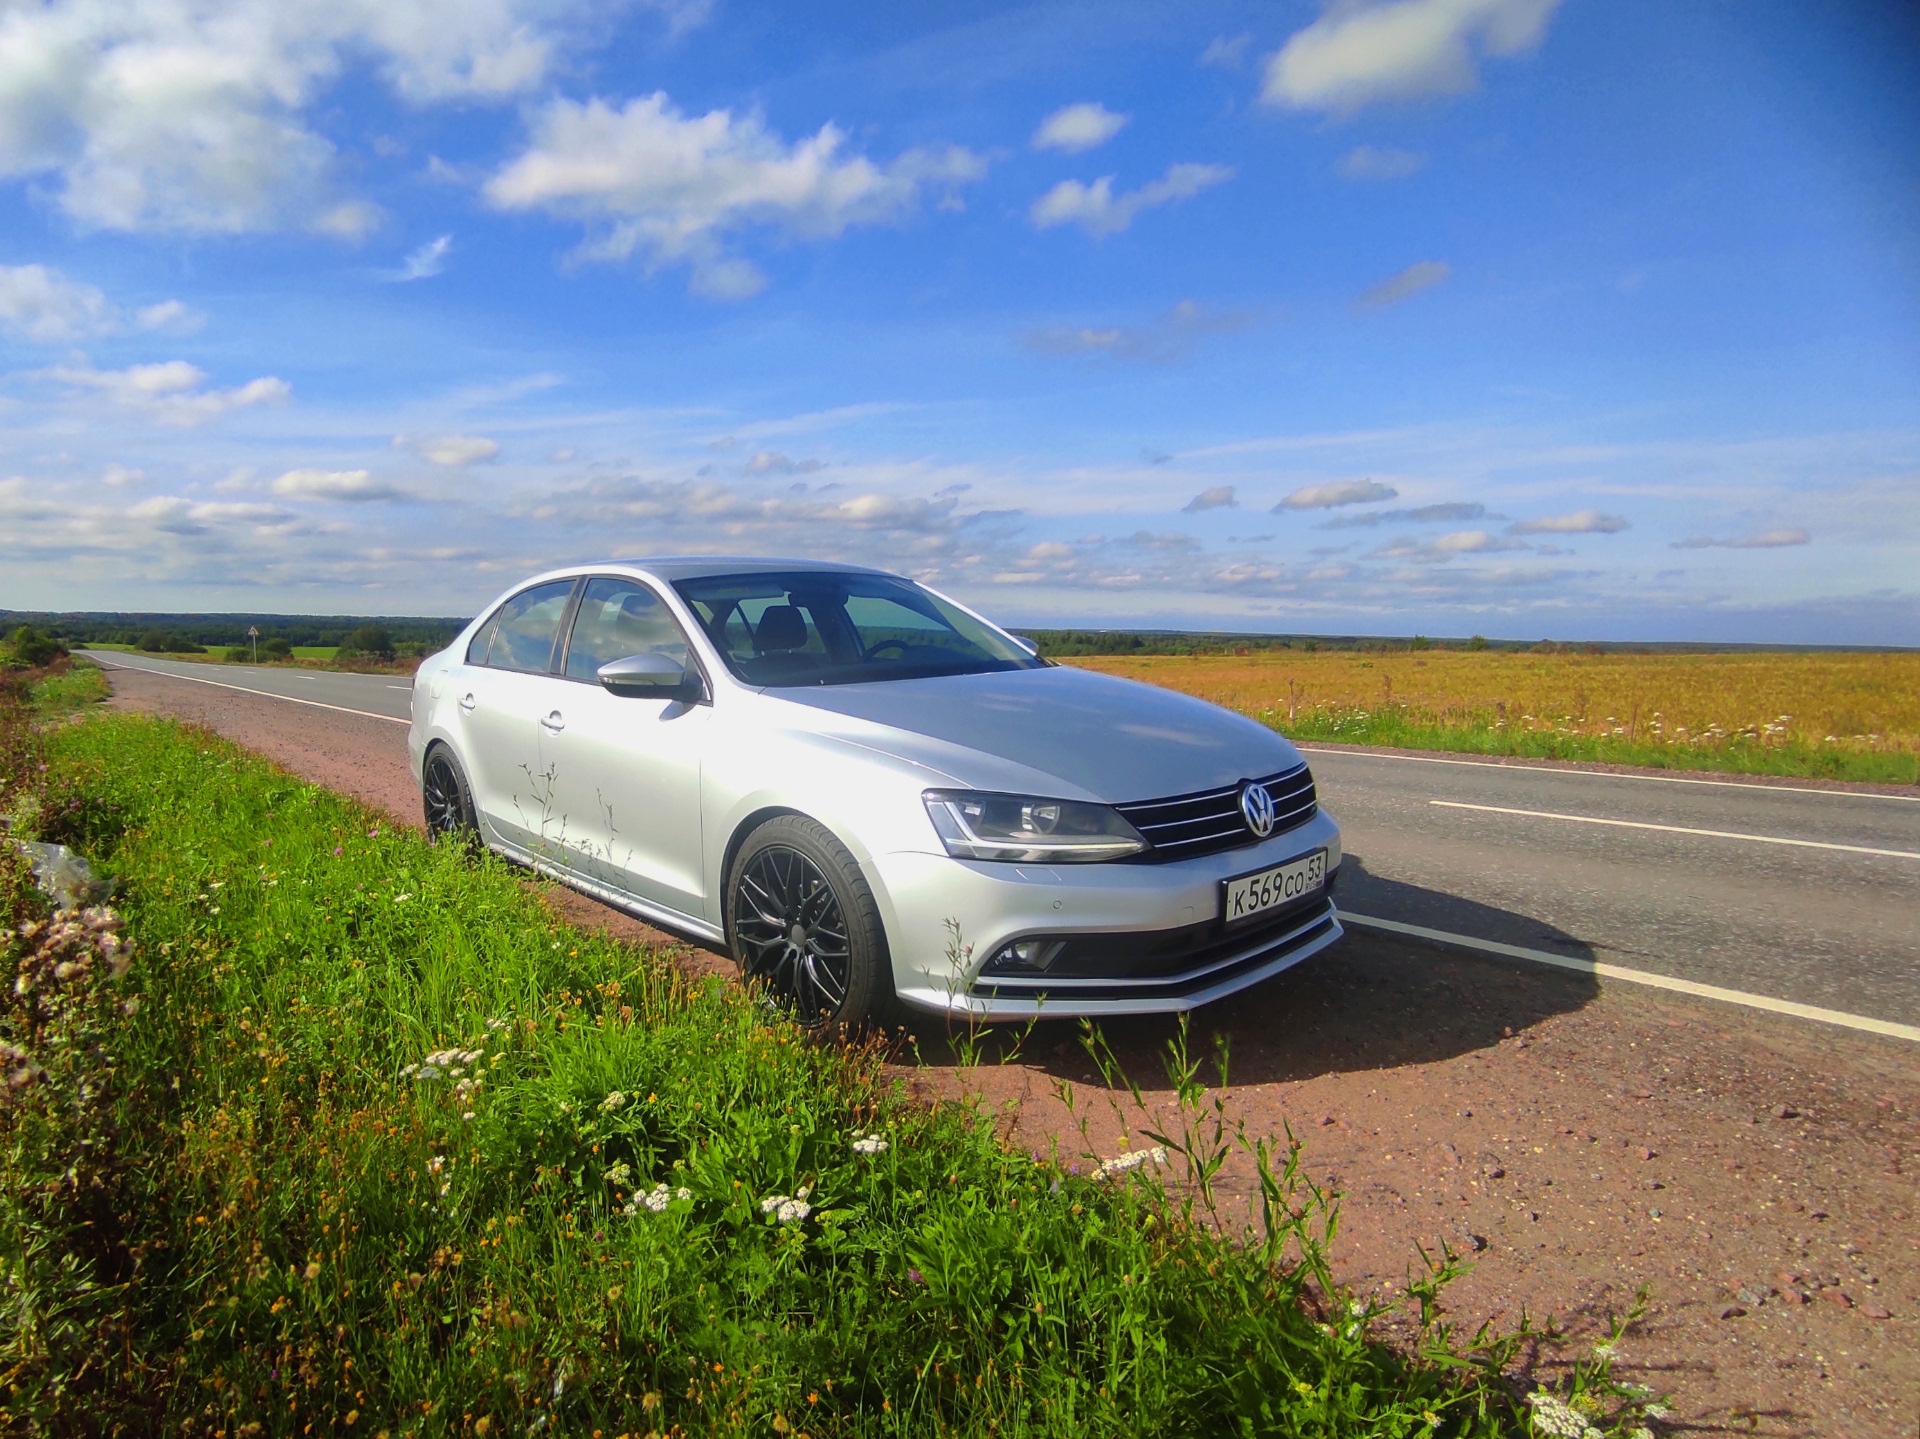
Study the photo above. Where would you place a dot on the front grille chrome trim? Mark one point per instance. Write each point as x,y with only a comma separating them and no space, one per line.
1186,826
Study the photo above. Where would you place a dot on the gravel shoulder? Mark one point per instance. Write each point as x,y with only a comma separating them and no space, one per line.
1757,1175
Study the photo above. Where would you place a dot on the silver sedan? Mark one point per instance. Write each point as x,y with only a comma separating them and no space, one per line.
870,795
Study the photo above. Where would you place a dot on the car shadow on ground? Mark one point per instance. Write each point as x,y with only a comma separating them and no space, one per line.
1372,1001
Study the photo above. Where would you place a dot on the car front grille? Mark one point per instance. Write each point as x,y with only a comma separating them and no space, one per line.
1210,821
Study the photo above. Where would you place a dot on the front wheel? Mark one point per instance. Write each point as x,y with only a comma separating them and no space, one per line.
447,799
802,923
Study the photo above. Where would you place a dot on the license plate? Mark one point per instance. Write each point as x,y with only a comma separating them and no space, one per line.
1253,894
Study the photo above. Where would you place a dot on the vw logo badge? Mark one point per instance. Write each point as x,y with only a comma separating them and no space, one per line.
1257,806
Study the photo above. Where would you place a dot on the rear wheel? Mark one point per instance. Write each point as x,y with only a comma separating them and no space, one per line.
802,923
447,799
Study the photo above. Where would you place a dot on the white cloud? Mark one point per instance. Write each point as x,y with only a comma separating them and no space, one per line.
169,317
450,449
171,391
1074,128
669,187
1580,522
1358,52
772,462
1765,540
1339,492
1405,285
1226,53
1449,512
176,514
1219,497
118,475
191,115
1097,210
424,263
1170,337
1371,162
40,304
351,486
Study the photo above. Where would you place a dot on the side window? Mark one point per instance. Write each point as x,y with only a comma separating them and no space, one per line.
619,618
482,637
523,636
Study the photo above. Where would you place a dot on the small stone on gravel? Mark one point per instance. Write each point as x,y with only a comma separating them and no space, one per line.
1733,1311
1875,1311
1785,1111
1837,1296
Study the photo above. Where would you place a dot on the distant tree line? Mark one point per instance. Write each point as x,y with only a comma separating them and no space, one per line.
280,635
1065,643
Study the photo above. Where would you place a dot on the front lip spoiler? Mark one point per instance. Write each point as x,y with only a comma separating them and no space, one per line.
1039,998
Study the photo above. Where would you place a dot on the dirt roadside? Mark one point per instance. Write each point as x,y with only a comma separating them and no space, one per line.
1757,1174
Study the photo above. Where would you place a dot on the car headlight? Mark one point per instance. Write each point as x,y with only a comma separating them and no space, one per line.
1029,829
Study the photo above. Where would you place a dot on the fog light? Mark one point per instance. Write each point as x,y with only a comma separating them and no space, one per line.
1025,956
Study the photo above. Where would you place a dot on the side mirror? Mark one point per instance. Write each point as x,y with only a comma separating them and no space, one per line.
650,676
1032,647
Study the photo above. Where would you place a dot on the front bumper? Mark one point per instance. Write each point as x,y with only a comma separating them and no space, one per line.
1160,927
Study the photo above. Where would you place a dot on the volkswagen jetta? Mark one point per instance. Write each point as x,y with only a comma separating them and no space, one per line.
867,793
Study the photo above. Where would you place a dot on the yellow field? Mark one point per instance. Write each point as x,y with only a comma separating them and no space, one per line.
1854,701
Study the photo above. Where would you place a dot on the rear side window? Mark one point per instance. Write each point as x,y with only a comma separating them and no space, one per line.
619,618
521,636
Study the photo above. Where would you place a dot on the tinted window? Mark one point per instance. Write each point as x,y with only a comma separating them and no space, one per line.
619,618
523,635
823,628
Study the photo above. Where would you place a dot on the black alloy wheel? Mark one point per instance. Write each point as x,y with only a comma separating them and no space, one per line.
446,798
804,926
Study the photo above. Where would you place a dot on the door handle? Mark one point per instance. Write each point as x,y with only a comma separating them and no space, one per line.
554,721
467,702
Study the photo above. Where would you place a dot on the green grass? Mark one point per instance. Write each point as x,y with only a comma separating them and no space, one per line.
315,652
59,695
1393,727
236,1203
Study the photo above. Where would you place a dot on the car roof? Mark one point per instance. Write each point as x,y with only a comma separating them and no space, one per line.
689,567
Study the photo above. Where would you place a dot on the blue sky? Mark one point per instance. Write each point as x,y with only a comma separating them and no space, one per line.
1522,317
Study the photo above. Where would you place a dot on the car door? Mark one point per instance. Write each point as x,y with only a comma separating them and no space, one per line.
502,691
624,771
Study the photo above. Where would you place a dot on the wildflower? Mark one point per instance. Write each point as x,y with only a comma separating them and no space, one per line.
496,1025
401,898
468,1115
914,1276
1553,1415
427,1071
787,1210
1658,1411
613,1101
869,1144
619,1173
437,1163
409,1071
1603,1350
338,851
1122,1162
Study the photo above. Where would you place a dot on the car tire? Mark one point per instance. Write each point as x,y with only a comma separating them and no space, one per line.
802,923
446,799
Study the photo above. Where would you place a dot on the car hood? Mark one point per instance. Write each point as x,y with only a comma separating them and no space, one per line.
1093,736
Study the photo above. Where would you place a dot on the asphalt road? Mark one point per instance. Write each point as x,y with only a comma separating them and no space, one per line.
390,696
1799,894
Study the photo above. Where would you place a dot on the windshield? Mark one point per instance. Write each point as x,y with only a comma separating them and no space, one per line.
822,627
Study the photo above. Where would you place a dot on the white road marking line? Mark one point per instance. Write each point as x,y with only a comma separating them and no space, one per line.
1677,829
1749,784
1641,976
263,694
400,687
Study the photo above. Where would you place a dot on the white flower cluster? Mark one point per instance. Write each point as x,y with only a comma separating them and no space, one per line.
656,1199
1133,1159
620,1173
613,1101
1553,1415
788,1209
449,1062
873,1143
